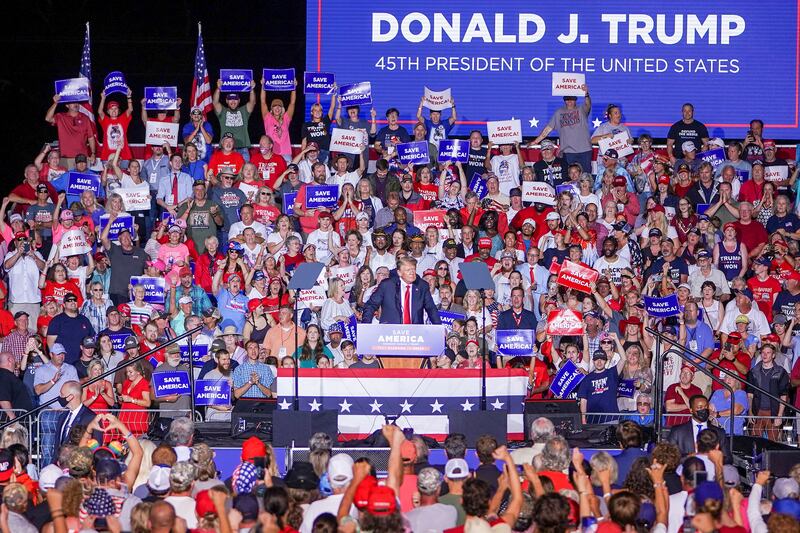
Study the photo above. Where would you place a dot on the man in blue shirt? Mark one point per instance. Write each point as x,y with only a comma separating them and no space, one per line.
437,130
694,334
61,183
200,133
69,328
252,379
598,390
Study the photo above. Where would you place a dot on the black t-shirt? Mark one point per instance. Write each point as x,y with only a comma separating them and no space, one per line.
553,173
82,368
387,136
753,152
554,254
784,303
13,390
475,163
125,265
677,267
318,132
681,132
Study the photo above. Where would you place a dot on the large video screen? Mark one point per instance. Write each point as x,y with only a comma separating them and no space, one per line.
735,60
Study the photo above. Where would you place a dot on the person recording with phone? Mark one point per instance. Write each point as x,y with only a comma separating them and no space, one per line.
23,265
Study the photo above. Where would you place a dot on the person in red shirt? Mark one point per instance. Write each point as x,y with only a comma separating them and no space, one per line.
765,287
538,213
264,208
750,232
115,128
57,284
48,162
731,358
538,379
753,189
484,251
270,165
75,132
24,194
425,186
225,159
684,183
676,398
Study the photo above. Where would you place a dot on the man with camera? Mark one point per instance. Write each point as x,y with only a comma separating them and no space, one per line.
23,265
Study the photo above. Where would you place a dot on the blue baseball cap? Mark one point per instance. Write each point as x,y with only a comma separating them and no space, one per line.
258,274
707,490
335,328
234,246
787,506
58,348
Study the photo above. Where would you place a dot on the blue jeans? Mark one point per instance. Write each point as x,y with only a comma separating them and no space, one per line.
584,159
245,153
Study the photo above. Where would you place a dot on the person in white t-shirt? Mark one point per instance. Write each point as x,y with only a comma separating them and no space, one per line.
342,176
610,264
506,166
340,474
324,238
247,221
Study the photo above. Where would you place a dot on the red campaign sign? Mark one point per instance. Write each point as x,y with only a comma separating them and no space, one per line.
565,322
575,276
555,268
429,217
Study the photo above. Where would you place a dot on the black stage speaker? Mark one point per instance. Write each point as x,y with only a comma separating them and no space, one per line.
780,462
476,423
298,426
564,414
252,417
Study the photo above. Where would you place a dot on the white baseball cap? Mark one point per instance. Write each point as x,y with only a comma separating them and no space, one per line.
456,469
48,477
688,146
158,479
340,469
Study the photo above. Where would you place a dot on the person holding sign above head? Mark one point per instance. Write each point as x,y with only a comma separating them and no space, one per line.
391,134
233,119
572,124
354,122
115,127
277,119
402,299
75,134
437,130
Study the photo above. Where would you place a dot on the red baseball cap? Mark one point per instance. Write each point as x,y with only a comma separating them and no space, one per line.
185,271
361,497
664,179
484,242
769,143
734,336
124,309
203,504
382,501
658,209
620,181
429,272
253,304
728,225
253,447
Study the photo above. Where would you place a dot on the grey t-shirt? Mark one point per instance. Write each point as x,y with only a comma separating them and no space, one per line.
42,214
235,122
573,128
183,403
432,518
230,200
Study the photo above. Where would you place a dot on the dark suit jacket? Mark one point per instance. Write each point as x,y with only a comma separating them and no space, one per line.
84,418
682,435
387,297
505,320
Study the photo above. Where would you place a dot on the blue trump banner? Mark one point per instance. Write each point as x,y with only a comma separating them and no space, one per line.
169,383
160,98
77,182
356,94
118,341
235,80
413,153
566,380
115,83
662,307
628,52
401,340
321,196
153,288
123,221
478,185
702,208
318,82
288,202
626,388
278,79
515,342
447,318
350,329
744,175
454,150
212,392
198,352
72,90
715,157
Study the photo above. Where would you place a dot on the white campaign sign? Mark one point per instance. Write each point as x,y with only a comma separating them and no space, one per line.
437,100
348,141
135,198
249,190
619,142
776,173
505,131
73,242
568,84
159,133
539,192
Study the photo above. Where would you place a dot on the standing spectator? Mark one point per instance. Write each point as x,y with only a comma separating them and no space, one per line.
598,391
127,261
199,133
686,130
252,379
677,397
234,119
23,265
95,307
773,379
318,129
572,124
69,328
75,135
176,188
173,405
52,375
115,128
277,120
16,341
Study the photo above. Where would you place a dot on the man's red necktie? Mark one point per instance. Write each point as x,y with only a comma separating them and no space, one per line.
533,279
407,306
175,188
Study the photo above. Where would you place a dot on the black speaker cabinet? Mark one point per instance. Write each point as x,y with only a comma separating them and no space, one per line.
780,462
252,418
564,414
476,423
298,426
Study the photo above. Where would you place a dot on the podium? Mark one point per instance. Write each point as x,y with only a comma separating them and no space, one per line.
401,345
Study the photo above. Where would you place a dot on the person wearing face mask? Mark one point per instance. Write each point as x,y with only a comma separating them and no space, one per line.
685,435
76,414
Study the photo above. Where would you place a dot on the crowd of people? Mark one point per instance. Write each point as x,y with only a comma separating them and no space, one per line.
228,223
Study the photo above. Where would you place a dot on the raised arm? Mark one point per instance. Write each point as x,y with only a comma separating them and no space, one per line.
215,98
251,102
51,111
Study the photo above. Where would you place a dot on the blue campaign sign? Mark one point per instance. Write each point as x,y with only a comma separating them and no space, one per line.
160,98
515,342
715,157
168,383
321,196
414,153
288,202
153,288
350,329
118,341
626,388
662,307
198,352
401,340
702,208
566,380
356,94
278,79
744,175
454,150
235,80
318,82
631,53
123,221
447,318
72,90
212,392
478,185
115,83
77,182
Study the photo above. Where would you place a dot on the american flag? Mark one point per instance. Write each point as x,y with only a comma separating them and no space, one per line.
201,88
86,72
421,398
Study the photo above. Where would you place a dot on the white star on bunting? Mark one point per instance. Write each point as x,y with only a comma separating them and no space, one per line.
314,405
406,406
436,406
345,406
284,405
376,407
534,122
467,406
497,404
596,122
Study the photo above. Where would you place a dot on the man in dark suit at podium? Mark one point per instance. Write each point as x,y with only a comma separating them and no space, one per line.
685,435
517,317
402,299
